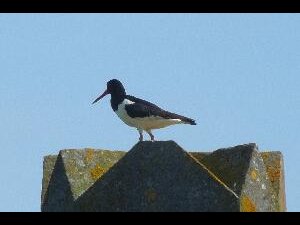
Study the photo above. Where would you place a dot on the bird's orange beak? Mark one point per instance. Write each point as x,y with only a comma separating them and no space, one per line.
101,96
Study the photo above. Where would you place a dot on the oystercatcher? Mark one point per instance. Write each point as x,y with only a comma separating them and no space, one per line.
138,113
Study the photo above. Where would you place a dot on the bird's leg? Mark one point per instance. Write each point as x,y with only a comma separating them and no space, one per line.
151,135
141,134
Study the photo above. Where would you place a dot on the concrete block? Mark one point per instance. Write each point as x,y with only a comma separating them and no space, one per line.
242,168
161,176
71,173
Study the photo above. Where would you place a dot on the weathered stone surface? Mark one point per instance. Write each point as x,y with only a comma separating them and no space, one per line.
48,166
161,176
157,176
71,173
275,171
243,170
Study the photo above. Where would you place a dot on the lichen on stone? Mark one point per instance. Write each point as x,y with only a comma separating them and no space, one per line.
247,204
97,172
89,154
254,175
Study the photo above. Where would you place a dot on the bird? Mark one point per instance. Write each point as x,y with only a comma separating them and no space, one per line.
139,113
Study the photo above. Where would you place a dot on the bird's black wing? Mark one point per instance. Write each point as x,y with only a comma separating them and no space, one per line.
141,101
142,108
139,110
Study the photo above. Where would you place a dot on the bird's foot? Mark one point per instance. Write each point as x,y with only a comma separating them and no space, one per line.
141,135
152,137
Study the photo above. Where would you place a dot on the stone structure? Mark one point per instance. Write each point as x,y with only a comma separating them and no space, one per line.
161,176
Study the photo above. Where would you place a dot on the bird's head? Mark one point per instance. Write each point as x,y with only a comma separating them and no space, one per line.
114,87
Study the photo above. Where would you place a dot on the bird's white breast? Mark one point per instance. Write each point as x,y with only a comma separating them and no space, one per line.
122,114
144,123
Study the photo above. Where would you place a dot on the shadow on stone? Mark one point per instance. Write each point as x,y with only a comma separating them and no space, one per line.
230,164
58,196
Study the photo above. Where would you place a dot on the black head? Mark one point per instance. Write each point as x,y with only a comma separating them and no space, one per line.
115,88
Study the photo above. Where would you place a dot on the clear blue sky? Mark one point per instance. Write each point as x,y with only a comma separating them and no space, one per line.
238,75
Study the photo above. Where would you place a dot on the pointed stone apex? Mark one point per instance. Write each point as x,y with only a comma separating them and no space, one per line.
243,169
157,176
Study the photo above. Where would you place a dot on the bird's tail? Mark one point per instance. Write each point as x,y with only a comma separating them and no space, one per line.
189,121
184,119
